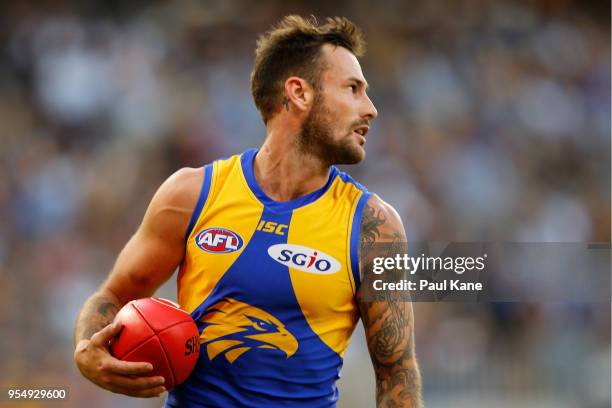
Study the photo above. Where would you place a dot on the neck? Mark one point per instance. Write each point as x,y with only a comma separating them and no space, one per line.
283,172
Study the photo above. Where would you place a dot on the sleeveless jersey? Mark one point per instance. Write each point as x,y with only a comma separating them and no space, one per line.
271,286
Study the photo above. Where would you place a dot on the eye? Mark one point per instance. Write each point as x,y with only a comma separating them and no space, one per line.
262,325
353,88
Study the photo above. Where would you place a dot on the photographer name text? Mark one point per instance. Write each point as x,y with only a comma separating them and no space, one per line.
424,284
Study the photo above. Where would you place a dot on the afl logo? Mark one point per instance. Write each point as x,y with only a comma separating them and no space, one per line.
218,240
304,259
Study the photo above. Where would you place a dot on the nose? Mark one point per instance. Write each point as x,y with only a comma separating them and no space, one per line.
370,110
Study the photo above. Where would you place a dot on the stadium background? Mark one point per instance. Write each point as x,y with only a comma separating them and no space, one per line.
494,125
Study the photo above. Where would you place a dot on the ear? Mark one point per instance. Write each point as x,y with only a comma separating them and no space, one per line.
299,92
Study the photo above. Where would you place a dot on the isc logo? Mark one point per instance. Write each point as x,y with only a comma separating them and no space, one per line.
304,259
271,226
219,240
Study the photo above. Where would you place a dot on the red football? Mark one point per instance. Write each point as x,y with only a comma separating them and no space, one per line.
157,331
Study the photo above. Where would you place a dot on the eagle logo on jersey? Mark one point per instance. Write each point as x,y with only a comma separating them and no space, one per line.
232,328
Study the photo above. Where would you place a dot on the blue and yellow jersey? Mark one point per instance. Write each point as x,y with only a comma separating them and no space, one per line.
271,286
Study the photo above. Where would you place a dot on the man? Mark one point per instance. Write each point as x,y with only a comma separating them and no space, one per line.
270,267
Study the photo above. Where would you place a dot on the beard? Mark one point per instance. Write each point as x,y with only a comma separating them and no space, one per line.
316,138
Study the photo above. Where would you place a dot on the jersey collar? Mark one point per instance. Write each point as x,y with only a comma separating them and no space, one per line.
246,160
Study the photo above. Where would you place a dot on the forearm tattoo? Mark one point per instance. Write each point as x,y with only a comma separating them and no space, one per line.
95,316
388,319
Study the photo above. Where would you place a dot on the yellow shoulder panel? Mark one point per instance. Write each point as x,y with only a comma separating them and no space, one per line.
327,300
230,205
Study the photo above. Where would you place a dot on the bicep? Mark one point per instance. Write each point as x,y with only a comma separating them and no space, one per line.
156,249
143,265
386,315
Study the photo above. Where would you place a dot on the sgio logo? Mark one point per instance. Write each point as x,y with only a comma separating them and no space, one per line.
219,240
192,345
304,259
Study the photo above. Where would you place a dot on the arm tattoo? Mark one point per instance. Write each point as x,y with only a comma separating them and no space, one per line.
387,318
107,307
106,312
370,223
393,333
96,314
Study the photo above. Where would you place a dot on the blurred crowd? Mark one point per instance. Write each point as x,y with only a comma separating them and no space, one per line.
494,125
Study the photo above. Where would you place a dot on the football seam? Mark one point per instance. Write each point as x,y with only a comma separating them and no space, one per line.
140,343
166,354
157,333
160,342
166,351
188,318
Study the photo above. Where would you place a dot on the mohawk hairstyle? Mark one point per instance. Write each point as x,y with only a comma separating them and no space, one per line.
293,48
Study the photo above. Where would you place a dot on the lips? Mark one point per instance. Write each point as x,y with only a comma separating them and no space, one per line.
360,138
361,130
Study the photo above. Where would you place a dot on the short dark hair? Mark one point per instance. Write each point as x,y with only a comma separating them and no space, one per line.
293,47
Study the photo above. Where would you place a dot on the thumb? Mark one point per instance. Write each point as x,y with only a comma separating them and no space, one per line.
102,337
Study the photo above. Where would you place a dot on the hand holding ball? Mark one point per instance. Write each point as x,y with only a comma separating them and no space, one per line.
157,331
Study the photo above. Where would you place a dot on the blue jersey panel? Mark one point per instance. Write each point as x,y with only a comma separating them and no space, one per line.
257,348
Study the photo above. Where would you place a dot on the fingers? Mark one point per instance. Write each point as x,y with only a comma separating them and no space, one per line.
121,377
114,366
150,393
125,378
102,337
144,393
136,384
